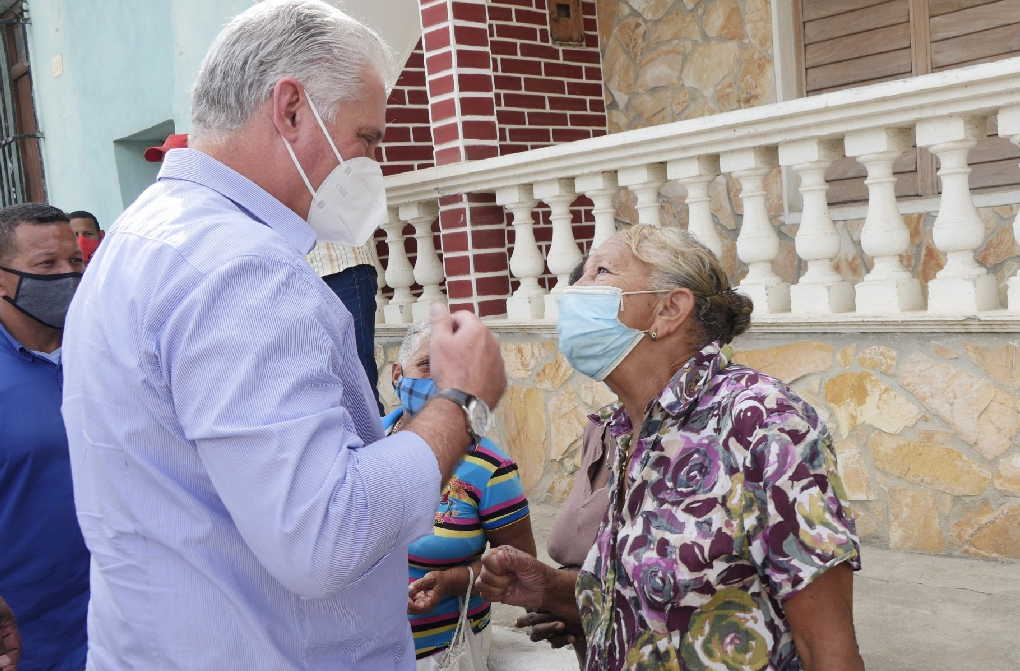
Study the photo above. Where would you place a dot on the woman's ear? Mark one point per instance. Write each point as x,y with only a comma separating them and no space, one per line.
674,312
396,372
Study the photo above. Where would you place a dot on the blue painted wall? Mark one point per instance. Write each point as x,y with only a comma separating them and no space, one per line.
127,71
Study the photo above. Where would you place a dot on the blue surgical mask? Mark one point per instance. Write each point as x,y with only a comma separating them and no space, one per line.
415,392
592,337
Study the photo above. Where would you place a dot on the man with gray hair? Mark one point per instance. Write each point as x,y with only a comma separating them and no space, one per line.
231,476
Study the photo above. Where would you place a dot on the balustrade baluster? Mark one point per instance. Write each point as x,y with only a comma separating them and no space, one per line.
600,187
399,274
821,289
526,262
1009,127
380,298
963,285
644,181
697,174
428,269
757,243
889,287
558,194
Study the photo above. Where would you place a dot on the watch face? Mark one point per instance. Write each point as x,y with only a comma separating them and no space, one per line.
480,417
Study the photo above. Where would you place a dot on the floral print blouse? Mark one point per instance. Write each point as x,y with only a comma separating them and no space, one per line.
731,504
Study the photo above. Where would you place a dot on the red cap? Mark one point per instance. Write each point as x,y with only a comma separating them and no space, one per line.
155,154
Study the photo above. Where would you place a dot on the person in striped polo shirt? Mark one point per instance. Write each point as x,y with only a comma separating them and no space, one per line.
482,504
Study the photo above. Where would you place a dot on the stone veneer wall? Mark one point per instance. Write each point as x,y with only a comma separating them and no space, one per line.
665,60
925,425
669,60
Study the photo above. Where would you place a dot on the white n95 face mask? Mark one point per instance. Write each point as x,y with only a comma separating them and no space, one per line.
351,202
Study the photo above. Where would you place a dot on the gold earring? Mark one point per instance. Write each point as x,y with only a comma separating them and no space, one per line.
653,335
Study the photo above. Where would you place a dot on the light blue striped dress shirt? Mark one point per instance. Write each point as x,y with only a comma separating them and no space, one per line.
242,506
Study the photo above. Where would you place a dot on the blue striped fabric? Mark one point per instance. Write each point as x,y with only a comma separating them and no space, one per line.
232,481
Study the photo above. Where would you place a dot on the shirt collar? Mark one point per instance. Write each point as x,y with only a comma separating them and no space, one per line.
682,389
8,341
195,166
689,382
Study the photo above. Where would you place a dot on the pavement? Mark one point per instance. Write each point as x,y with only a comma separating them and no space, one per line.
913,612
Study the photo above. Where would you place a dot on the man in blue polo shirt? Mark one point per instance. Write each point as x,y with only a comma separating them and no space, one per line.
44,565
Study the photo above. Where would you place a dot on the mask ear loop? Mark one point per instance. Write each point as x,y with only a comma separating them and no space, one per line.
322,127
17,290
297,164
648,331
293,156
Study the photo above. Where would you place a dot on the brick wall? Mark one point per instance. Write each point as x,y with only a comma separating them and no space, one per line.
408,142
487,80
545,93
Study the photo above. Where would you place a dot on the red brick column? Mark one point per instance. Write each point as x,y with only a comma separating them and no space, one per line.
463,118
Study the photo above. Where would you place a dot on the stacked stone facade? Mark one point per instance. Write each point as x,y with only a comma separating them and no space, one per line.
926,425
926,429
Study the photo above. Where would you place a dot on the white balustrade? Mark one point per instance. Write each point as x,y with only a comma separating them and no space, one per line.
601,187
563,255
526,262
962,285
889,288
1009,127
399,274
821,289
380,298
757,243
644,181
697,174
428,269
876,126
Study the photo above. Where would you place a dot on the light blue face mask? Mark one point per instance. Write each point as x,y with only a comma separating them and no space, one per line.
415,392
592,337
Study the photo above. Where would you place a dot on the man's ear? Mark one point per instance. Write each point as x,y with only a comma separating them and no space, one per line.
286,105
396,372
673,312
8,284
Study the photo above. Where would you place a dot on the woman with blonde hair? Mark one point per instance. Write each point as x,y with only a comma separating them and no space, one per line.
728,543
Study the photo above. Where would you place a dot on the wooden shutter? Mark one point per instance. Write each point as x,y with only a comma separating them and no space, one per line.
849,43
854,42
965,32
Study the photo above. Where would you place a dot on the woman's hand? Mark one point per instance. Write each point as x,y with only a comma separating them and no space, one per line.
425,593
546,627
513,577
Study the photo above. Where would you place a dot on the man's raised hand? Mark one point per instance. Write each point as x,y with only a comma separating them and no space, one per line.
464,355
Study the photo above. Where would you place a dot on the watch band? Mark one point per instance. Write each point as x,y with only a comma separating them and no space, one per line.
462,399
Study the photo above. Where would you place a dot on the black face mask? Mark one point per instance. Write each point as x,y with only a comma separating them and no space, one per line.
44,298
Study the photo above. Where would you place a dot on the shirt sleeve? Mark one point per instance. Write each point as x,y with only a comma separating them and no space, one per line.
251,366
803,524
503,500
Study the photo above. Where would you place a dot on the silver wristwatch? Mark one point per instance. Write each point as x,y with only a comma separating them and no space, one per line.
476,412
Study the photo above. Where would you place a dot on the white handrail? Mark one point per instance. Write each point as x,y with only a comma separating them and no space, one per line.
977,89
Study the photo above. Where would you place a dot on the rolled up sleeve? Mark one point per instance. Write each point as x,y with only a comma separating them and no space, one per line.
804,524
252,368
